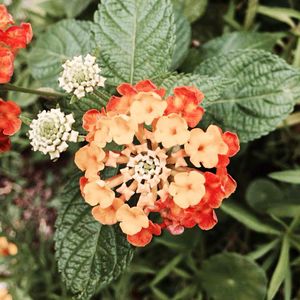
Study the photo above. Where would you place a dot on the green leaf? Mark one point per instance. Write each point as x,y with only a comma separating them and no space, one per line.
289,176
183,39
79,107
229,42
60,42
231,276
75,7
24,80
212,87
90,255
239,40
281,269
263,194
263,250
192,9
288,285
284,15
248,219
136,38
262,95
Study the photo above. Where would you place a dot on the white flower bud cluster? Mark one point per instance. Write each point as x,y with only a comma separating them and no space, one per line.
81,75
51,131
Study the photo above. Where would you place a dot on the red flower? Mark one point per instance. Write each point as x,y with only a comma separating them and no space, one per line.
9,123
6,64
16,37
185,102
12,38
9,117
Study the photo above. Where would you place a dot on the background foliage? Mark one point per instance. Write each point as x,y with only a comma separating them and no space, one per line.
230,50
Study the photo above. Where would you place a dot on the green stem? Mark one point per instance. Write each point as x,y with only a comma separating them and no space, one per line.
250,14
296,62
45,94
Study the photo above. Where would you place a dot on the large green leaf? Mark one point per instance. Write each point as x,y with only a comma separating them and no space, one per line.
212,87
263,194
229,42
137,38
60,42
183,38
192,9
239,40
231,276
79,107
75,7
262,95
90,255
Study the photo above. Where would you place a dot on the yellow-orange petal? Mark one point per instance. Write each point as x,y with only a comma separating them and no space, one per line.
107,216
132,219
90,159
123,129
96,192
204,147
171,130
146,107
187,189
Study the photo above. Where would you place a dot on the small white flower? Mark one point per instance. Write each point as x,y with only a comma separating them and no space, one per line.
51,131
81,75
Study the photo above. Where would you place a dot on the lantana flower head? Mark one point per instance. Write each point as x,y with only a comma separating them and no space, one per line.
81,75
9,122
163,165
51,131
12,38
7,248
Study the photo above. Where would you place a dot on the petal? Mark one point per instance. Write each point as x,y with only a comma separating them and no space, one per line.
6,65
12,126
189,94
126,89
90,118
149,86
232,141
145,86
144,237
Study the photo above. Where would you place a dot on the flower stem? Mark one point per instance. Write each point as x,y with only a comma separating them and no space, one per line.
44,94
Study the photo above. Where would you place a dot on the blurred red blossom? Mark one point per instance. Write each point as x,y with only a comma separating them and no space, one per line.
12,38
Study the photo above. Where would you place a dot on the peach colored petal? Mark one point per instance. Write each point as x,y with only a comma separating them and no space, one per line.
171,130
107,216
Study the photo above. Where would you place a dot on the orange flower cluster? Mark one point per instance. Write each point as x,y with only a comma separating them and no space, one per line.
7,248
161,151
12,38
9,123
